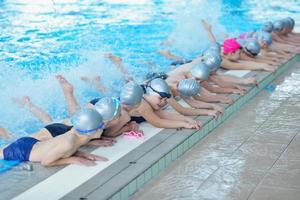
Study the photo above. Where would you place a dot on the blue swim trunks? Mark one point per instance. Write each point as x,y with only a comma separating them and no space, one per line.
20,149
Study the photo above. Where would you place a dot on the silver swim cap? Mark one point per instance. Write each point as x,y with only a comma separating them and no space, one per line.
292,21
212,60
268,27
87,120
158,87
278,25
188,87
264,36
200,71
253,47
288,22
109,108
214,47
131,94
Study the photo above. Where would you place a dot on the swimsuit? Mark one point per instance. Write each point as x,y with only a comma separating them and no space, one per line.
20,149
180,62
137,119
57,129
94,101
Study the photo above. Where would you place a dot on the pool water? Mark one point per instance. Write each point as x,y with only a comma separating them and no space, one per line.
40,39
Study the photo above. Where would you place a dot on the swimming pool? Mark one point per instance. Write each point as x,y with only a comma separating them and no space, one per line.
42,38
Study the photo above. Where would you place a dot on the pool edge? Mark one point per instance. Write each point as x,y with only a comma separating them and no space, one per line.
153,170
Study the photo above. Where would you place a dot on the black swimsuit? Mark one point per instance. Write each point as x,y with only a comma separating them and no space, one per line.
57,129
137,119
94,101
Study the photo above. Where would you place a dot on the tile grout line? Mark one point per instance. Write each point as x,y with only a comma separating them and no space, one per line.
271,167
232,109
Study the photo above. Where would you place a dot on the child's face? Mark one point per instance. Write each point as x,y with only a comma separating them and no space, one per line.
234,56
156,101
114,121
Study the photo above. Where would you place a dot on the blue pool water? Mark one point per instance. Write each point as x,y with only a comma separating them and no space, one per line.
42,38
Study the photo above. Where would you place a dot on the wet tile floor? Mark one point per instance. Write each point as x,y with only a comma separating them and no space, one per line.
254,155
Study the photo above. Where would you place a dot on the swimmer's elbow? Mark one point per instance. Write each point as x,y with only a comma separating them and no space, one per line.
46,163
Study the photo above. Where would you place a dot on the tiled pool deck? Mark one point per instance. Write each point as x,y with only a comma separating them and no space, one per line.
253,155
129,172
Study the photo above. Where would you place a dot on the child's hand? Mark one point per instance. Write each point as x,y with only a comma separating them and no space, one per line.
83,161
206,25
133,126
226,100
218,108
213,113
236,91
193,124
89,156
269,68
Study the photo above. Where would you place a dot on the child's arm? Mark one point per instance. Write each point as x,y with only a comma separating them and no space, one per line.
176,116
150,116
191,111
257,59
200,104
221,90
206,96
247,65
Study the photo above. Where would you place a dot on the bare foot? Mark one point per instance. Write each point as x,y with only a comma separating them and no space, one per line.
94,81
4,134
113,58
164,53
65,85
22,102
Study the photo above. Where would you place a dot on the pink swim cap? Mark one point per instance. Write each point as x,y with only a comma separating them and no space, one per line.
231,45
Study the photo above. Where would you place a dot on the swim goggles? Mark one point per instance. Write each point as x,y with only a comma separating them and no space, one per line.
161,94
249,52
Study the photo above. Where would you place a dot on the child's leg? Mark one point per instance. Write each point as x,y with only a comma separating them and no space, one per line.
118,62
37,111
95,82
4,133
67,88
169,55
